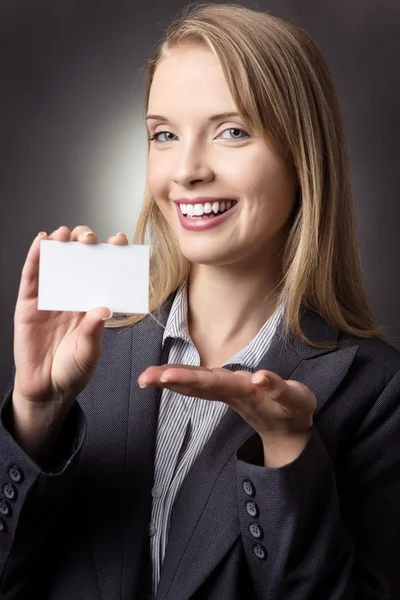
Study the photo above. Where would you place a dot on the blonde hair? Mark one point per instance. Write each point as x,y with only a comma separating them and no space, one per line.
282,88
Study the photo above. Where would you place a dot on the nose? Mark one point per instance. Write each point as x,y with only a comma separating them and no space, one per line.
192,166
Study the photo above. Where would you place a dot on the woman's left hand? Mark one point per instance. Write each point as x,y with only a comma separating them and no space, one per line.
279,411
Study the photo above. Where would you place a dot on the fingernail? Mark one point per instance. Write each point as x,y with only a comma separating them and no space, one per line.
41,233
141,384
261,380
107,318
164,379
89,233
120,234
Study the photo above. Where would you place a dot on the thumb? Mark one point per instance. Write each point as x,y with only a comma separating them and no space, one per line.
293,396
90,338
94,320
301,397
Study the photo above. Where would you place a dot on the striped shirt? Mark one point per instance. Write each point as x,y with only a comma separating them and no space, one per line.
186,424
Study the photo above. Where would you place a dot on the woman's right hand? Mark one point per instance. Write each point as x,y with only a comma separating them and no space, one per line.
55,352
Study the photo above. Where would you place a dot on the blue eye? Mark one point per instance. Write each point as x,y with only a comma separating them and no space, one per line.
235,134
168,136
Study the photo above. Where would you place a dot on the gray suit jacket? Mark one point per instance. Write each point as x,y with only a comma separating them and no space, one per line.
329,522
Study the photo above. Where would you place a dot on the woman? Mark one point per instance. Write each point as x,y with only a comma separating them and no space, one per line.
273,477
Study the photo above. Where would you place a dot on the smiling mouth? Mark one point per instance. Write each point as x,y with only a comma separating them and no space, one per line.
206,210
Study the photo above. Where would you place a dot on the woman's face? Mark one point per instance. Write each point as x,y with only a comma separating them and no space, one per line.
225,194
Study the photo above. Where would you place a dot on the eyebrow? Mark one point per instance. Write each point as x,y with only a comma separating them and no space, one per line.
216,117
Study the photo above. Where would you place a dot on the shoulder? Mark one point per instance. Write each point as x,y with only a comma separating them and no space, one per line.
375,357
366,365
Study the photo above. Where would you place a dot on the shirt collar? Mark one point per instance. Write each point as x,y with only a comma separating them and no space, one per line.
177,322
248,357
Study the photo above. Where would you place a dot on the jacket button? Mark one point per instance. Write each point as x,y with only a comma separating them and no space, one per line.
256,530
4,508
248,487
252,509
9,491
2,525
15,474
260,551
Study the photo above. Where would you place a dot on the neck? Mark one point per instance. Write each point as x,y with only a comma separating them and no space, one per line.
228,306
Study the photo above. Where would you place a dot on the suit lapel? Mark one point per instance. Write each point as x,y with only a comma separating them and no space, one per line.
205,522
140,453
122,418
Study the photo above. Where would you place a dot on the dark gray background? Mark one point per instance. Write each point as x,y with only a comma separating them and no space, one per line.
72,139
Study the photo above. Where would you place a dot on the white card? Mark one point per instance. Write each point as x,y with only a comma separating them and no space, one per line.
77,277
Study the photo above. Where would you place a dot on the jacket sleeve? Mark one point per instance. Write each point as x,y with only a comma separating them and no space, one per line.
312,530
30,500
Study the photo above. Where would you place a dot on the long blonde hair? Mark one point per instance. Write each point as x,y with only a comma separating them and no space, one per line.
282,89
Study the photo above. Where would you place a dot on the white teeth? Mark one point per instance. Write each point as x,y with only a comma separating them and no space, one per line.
198,210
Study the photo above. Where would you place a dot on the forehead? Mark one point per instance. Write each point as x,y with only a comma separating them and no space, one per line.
187,79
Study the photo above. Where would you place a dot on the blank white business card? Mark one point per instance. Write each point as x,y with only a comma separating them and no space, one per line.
77,277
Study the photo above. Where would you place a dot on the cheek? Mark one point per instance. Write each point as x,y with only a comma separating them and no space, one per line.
157,179
158,186
272,194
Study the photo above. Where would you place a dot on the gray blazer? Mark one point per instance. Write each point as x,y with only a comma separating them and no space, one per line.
328,525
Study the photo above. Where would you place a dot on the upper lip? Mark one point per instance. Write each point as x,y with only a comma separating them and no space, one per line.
201,200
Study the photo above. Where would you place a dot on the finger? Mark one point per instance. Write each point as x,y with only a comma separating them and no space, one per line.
28,288
202,382
83,234
152,375
293,396
62,234
119,240
155,372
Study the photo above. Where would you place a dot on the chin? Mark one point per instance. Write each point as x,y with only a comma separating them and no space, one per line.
217,257
201,256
